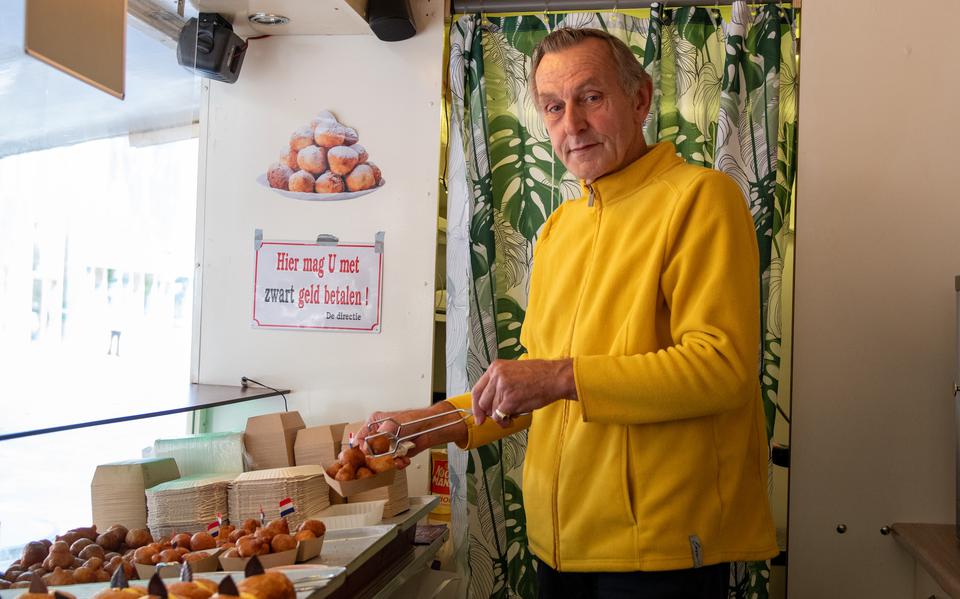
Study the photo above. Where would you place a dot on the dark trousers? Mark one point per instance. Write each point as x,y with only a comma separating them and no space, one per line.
708,582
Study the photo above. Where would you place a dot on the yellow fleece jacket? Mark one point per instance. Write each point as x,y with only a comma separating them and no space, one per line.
652,289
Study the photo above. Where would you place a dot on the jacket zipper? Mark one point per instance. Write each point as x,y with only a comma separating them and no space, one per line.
563,420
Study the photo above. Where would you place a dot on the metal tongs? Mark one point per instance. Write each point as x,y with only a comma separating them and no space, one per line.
400,443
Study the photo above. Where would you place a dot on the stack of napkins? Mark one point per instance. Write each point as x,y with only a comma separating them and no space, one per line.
116,490
266,489
187,504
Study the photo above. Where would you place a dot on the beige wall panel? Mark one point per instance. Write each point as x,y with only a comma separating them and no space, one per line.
390,92
877,247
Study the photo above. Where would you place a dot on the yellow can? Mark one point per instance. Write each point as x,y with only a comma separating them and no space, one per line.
440,484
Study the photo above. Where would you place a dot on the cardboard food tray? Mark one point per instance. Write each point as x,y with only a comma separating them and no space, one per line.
207,564
309,549
270,560
306,550
346,488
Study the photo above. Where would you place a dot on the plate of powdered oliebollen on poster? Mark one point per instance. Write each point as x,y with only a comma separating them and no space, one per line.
323,162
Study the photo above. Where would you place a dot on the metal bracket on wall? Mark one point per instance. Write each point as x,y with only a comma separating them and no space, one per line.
327,239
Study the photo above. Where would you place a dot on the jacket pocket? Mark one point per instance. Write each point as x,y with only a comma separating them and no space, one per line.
626,482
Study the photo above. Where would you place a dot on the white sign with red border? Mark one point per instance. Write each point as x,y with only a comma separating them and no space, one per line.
325,285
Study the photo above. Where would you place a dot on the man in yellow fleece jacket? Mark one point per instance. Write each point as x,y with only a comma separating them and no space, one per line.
646,465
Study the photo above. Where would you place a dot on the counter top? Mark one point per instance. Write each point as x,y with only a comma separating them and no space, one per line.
378,558
419,508
936,548
351,549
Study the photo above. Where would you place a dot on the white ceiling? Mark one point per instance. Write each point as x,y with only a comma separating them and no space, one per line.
43,107
307,17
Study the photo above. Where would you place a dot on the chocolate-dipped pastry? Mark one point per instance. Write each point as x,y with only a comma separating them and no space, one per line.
227,589
119,579
120,588
37,589
156,588
188,588
265,585
253,567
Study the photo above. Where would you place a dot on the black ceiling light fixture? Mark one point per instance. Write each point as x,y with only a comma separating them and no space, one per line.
391,20
209,47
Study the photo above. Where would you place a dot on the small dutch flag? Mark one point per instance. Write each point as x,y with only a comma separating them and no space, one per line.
286,507
214,528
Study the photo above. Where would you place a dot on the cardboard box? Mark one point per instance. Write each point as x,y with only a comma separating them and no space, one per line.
318,444
117,490
269,440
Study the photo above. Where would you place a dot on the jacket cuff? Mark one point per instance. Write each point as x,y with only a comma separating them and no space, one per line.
489,431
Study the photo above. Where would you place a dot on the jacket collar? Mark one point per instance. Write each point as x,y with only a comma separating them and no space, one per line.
618,185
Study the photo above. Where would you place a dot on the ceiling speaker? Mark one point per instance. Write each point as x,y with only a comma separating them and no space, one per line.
391,20
209,47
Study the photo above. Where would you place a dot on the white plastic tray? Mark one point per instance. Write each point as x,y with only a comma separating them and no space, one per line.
351,515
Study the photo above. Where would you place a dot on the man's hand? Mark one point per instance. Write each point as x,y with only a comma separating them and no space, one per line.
519,386
456,433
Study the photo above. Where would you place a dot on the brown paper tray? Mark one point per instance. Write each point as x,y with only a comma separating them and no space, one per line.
284,558
309,549
345,488
207,564
306,550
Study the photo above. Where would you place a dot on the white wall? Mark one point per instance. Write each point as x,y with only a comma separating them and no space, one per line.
390,92
877,245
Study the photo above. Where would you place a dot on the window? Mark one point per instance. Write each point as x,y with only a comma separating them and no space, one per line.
97,238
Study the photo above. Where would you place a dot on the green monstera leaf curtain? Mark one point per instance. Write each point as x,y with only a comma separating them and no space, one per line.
725,93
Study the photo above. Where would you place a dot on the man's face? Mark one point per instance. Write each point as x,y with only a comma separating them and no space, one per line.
594,126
